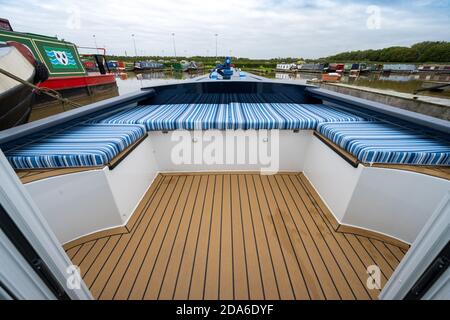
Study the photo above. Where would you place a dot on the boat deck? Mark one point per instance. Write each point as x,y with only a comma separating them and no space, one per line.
233,236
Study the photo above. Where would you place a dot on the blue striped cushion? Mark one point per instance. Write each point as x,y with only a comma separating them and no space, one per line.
78,146
232,115
381,142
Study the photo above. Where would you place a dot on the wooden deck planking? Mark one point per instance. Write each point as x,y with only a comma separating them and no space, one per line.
346,258
197,281
178,250
233,236
323,239
241,278
134,285
262,278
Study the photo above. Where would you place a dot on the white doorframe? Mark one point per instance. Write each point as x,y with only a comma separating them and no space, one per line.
26,215
430,241
17,276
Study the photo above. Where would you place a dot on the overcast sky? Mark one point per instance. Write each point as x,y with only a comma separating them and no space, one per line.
249,28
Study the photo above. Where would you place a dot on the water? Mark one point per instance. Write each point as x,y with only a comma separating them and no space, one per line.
396,82
130,82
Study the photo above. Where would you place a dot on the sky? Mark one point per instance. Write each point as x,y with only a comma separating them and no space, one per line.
244,28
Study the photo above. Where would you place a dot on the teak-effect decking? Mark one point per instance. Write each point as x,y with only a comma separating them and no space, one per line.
233,236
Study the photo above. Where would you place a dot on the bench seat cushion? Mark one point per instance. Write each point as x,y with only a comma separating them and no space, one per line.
233,115
78,146
382,142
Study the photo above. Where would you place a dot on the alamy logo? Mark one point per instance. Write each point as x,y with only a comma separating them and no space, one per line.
374,279
374,20
74,19
233,149
73,281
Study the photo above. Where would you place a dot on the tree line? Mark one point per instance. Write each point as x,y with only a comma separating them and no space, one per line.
427,51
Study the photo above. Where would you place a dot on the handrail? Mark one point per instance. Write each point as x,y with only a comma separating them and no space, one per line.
92,48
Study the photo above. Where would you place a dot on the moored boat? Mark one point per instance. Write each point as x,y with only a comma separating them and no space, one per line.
442,69
331,77
334,67
311,67
183,66
347,67
193,66
142,66
67,75
286,67
113,65
399,68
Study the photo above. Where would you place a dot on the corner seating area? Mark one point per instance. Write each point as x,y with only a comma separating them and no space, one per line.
337,217
99,139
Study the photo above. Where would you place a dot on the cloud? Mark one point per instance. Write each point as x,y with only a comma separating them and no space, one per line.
250,28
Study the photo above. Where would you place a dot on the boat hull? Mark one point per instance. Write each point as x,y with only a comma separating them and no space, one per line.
15,97
15,106
44,106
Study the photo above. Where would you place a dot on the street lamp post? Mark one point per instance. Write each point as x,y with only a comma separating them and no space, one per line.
174,47
95,42
216,35
134,43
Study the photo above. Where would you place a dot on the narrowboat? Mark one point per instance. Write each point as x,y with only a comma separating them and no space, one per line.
186,66
67,75
312,67
443,69
376,67
121,66
193,66
181,66
113,65
400,68
148,66
334,67
347,67
227,187
355,67
364,68
286,67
